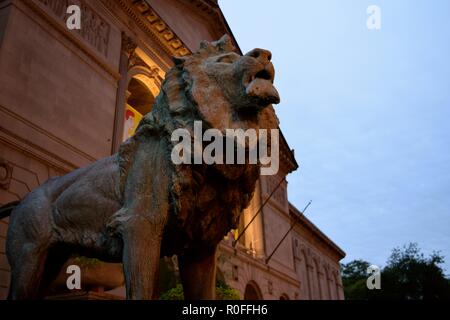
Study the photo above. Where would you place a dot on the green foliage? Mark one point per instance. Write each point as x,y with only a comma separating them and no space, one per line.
168,277
407,275
410,275
223,292
86,262
355,269
174,293
171,288
354,275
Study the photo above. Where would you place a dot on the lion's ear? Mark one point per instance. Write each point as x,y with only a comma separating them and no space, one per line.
224,44
178,60
204,44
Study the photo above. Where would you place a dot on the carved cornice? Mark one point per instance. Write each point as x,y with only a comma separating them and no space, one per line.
287,157
149,22
205,5
211,9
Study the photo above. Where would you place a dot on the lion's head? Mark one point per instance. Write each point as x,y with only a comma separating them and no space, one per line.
226,83
225,89
222,89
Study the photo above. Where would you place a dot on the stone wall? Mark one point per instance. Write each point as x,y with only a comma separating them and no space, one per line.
316,263
20,174
57,99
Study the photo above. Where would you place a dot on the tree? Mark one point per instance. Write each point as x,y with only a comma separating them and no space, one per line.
407,275
354,275
410,275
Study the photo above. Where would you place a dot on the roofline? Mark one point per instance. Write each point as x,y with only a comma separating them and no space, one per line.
227,26
311,226
291,152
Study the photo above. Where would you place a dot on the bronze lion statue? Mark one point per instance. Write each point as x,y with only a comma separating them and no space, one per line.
137,205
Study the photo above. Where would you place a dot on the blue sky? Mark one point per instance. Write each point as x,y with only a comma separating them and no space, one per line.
367,112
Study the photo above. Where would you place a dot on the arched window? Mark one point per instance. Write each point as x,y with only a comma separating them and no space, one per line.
284,296
252,291
141,94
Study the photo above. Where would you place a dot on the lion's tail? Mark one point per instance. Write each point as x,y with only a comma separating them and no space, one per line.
5,210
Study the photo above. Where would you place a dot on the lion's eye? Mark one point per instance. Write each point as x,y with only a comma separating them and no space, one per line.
227,58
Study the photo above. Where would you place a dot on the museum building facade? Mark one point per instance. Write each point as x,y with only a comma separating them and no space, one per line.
70,97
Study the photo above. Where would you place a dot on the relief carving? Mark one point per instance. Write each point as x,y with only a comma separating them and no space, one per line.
94,29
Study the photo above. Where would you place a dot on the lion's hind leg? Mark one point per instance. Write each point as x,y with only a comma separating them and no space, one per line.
28,240
27,269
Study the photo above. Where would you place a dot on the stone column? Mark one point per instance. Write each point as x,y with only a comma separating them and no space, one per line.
310,275
319,285
328,279
258,224
128,47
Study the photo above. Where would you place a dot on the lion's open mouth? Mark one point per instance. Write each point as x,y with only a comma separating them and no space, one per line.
260,86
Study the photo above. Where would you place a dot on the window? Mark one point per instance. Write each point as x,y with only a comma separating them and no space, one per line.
139,102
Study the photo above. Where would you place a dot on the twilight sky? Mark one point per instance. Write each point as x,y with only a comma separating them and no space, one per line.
367,112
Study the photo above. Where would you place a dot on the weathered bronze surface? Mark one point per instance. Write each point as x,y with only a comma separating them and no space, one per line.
136,205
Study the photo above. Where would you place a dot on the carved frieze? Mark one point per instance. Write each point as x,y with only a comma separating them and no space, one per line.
94,29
